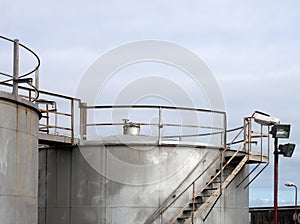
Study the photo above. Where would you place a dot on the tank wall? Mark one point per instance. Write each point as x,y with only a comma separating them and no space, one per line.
18,162
55,170
73,190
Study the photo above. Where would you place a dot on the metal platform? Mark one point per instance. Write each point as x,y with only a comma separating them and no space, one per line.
49,139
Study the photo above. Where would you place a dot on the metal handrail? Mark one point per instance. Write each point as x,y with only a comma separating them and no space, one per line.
217,159
48,125
28,49
221,128
70,101
155,107
16,78
259,135
246,140
163,208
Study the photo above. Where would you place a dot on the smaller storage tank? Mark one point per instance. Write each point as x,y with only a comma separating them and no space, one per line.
130,128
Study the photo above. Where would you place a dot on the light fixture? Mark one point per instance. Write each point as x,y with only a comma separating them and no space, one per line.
265,119
281,131
278,131
289,184
287,150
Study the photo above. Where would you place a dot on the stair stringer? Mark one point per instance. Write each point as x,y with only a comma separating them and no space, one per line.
204,210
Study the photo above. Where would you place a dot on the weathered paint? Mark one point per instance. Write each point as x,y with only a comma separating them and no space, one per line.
74,192
18,160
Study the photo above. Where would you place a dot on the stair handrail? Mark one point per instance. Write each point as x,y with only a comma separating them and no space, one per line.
247,140
262,135
157,211
162,209
211,180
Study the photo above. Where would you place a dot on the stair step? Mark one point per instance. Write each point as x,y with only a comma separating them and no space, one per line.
205,196
236,159
188,210
211,189
182,218
198,198
196,205
210,192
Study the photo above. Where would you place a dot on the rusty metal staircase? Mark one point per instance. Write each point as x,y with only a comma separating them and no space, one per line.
203,200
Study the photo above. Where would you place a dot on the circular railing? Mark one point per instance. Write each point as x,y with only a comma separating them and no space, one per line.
168,123
21,78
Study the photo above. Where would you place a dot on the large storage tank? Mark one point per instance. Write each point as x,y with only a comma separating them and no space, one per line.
18,160
76,193
138,178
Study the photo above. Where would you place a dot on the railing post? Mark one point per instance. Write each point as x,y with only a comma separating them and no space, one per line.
261,142
159,126
47,118
225,131
37,83
83,120
72,120
246,137
29,95
37,79
249,135
15,67
193,201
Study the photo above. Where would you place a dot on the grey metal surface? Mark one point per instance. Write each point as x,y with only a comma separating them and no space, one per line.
72,191
18,160
117,179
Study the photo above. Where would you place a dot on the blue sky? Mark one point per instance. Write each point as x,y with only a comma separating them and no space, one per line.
252,48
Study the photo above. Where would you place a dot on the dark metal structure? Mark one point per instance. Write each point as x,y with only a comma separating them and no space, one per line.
265,215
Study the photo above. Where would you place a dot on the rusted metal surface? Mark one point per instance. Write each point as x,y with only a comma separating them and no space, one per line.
248,156
58,114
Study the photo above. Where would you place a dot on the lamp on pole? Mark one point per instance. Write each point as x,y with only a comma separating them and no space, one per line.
278,131
289,184
275,180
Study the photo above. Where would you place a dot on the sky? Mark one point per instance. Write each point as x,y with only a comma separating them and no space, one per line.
251,47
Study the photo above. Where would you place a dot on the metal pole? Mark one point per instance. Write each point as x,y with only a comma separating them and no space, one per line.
159,126
72,120
296,215
16,67
37,79
83,120
225,130
275,180
249,135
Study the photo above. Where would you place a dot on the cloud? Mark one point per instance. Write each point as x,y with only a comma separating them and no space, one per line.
252,47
